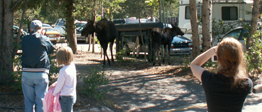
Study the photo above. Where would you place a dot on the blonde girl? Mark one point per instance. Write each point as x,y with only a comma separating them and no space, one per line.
66,82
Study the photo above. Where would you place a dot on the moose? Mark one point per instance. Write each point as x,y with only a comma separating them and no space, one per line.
106,32
163,37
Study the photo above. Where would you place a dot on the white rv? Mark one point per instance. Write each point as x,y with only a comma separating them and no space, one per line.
226,10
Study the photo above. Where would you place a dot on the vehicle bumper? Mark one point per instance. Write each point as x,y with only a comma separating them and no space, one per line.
180,51
80,38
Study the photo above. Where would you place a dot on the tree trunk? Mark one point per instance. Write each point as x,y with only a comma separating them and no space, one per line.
206,25
89,42
152,11
255,15
6,43
194,27
160,15
70,25
93,38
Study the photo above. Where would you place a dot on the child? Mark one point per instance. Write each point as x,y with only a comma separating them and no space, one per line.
66,82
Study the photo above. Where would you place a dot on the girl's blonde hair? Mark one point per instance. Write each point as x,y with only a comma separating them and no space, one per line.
230,53
64,56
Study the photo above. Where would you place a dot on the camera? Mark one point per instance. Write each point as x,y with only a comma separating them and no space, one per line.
214,58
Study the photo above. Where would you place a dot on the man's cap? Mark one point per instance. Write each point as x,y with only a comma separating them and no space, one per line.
35,24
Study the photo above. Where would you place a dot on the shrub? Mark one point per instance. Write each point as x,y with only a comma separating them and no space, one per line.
93,81
254,56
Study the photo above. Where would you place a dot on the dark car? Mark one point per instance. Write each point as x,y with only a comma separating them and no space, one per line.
180,46
79,27
238,33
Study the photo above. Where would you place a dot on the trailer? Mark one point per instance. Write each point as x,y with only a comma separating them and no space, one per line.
229,11
129,34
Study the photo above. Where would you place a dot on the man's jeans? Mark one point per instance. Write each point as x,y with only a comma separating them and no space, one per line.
35,86
67,103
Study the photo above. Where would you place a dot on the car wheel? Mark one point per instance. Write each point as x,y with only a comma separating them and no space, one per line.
86,40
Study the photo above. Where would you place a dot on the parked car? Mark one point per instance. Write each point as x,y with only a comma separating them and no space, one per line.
238,33
79,27
46,25
50,32
60,26
181,46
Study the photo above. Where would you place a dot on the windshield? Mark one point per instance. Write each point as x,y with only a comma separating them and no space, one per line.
235,34
46,25
49,29
80,24
61,22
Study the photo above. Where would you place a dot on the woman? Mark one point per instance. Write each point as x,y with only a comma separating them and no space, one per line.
227,89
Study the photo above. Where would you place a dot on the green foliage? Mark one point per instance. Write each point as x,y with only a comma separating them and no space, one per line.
121,54
186,63
93,81
17,75
219,27
254,56
54,68
211,64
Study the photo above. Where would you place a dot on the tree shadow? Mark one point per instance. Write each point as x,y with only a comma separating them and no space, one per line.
154,92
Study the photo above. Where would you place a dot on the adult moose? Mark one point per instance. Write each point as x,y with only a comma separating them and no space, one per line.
164,37
106,32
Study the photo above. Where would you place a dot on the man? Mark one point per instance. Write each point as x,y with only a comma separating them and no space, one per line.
35,64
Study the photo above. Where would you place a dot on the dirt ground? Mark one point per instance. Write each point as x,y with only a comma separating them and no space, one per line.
135,85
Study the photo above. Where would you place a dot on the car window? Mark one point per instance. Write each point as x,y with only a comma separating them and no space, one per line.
244,34
49,29
61,23
46,25
236,34
80,24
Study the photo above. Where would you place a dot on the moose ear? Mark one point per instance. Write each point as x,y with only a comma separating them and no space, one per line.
173,26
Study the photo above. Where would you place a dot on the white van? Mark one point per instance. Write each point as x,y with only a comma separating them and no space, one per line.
226,10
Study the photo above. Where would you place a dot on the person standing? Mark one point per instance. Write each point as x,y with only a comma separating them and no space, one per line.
227,89
35,64
66,82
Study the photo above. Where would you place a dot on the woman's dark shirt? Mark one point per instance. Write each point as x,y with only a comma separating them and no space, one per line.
221,96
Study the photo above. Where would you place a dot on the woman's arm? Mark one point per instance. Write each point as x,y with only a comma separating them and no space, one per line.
196,64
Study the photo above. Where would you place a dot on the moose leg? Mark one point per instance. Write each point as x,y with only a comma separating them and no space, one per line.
138,46
168,54
106,56
155,53
163,53
158,54
104,46
111,49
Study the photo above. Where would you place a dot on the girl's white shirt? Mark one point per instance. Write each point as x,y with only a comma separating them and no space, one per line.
66,82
